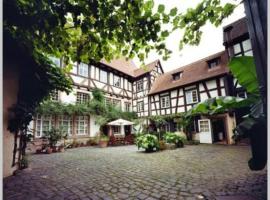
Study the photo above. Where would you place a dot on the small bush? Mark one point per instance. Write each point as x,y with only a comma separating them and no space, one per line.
148,142
175,139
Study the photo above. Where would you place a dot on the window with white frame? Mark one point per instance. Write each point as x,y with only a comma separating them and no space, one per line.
127,106
140,106
165,101
116,81
103,76
108,101
74,68
43,124
213,63
65,122
191,96
116,103
243,48
177,76
82,125
204,126
54,95
140,85
83,70
82,97
56,61
116,130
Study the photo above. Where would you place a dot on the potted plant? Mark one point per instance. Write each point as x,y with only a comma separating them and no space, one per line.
61,148
176,140
103,141
148,142
49,150
53,136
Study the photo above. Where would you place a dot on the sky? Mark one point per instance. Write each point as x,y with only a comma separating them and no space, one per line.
211,41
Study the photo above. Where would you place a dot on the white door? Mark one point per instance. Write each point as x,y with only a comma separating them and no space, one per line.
205,131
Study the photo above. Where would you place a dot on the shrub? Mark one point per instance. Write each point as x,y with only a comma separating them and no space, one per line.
175,139
92,142
54,135
148,142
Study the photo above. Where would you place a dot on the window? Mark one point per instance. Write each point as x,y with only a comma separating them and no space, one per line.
82,125
177,76
56,61
116,81
103,76
191,96
82,97
165,102
140,85
204,126
213,63
108,101
243,48
54,95
116,130
127,106
65,122
140,106
43,124
83,69
74,68
116,103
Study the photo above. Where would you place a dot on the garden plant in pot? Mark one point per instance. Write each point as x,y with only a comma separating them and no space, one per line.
148,142
173,138
53,136
103,141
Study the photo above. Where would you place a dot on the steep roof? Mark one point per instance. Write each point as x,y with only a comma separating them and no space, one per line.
128,67
191,73
121,64
147,68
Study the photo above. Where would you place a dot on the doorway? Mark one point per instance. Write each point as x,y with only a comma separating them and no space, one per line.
219,131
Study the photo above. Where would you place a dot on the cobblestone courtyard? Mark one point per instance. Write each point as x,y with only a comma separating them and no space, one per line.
193,172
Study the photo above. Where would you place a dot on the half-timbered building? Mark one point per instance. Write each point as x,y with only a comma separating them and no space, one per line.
150,92
124,85
179,90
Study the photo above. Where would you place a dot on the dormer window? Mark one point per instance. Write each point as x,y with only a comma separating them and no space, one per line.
213,63
177,76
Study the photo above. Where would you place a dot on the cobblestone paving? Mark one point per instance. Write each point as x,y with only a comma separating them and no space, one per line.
193,172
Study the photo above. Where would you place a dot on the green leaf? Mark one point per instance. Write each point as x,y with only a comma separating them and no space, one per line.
173,12
165,33
244,70
161,8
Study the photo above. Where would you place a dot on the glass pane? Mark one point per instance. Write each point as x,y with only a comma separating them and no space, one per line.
237,48
248,53
246,45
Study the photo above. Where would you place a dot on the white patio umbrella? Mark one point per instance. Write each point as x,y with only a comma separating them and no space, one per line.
121,123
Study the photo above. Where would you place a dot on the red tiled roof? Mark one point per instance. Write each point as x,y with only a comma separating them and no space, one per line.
192,73
128,67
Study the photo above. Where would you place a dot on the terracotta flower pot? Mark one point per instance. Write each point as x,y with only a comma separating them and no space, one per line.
49,150
61,149
103,144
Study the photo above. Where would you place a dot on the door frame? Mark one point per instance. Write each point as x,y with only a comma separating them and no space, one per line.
210,129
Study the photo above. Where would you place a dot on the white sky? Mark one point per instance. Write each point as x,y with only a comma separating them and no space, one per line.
211,41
